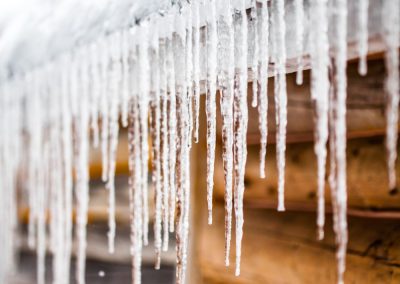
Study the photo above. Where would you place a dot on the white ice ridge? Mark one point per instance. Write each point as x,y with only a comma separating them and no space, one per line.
147,62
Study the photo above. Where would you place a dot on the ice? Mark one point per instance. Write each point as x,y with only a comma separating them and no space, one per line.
391,23
240,122
196,66
320,95
226,57
253,42
280,95
211,45
299,12
104,103
82,170
164,144
150,75
135,190
113,124
339,188
362,36
263,60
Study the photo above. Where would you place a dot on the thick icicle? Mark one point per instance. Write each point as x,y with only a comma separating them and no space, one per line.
263,59
280,94
299,13
179,48
339,188
211,100
362,36
391,23
240,122
320,95
226,85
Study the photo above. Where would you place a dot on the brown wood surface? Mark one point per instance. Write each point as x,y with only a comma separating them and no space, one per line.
282,248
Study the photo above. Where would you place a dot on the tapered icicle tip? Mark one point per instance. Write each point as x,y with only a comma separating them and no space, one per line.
320,234
237,270
362,67
281,208
210,217
299,77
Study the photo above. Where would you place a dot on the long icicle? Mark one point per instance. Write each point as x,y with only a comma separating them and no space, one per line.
196,66
340,60
135,191
226,85
164,144
391,23
280,95
263,83
254,44
82,183
211,101
240,123
172,125
320,94
113,133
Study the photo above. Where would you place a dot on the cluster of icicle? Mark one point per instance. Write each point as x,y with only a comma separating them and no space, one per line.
150,76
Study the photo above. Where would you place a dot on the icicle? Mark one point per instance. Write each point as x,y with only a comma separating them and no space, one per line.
144,90
156,146
253,45
280,95
35,133
125,77
67,166
240,122
94,92
196,66
41,237
263,30
57,216
362,36
211,101
391,23
338,178
135,190
299,13
226,85
104,105
164,143
179,48
320,94
113,133
10,148
189,67
172,125
82,172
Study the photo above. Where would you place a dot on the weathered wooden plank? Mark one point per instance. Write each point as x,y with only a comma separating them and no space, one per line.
282,248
